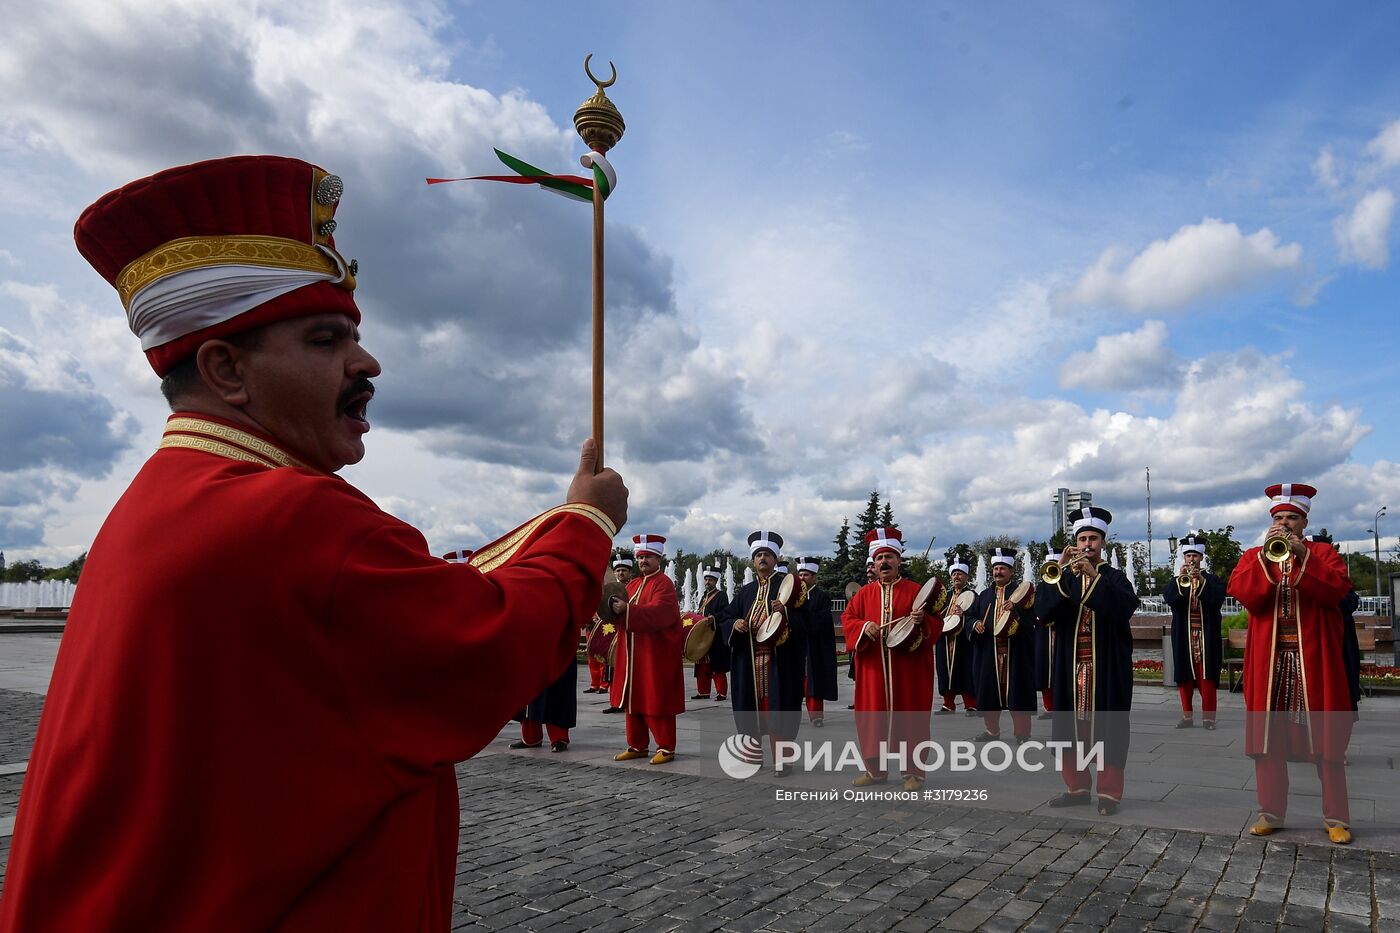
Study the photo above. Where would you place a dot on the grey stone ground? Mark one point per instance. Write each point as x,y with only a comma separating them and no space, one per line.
575,841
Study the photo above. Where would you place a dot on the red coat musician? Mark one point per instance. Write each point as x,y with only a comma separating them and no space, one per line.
648,676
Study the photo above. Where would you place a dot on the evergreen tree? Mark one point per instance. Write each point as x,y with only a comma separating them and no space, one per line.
887,517
1222,550
868,520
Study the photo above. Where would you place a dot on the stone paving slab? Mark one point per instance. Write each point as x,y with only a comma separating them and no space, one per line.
575,841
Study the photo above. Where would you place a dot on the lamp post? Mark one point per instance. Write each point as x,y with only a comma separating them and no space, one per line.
1375,530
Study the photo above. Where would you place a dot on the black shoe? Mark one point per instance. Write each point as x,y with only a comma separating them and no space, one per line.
817,723
1046,715
701,696
613,709
852,706
1022,739
721,696
559,747
1070,800
945,711
1186,724
524,744
971,712
986,737
1208,725
1107,807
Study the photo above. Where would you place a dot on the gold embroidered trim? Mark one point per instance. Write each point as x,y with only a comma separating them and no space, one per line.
208,446
503,549
222,432
197,252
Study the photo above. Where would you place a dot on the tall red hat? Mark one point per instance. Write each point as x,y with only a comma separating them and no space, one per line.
1292,497
884,539
212,249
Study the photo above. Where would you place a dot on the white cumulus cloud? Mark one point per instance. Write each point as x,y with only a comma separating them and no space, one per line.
1138,359
1197,261
1362,235
1385,147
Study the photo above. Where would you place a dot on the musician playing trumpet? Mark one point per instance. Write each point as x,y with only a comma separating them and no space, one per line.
1296,695
1004,663
1195,598
1091,606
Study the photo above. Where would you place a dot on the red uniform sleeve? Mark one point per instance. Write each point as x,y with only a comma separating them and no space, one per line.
1252,584
435,657
1324,578
853,619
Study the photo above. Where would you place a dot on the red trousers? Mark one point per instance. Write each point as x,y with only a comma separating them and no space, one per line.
816,708
969,701
1048,699
1271,778
663,728
1188,688
702,679
531,734
1078,782
1020,723
595,673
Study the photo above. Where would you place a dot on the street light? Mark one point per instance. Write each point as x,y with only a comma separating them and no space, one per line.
1375,530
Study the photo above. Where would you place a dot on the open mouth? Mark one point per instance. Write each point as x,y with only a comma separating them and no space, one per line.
357,407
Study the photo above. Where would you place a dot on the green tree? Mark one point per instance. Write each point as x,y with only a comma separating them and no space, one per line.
1059,541
837,572
24,571
887,517
869,519
1222,550
69,571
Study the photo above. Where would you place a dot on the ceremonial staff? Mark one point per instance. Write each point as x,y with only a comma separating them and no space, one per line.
600,125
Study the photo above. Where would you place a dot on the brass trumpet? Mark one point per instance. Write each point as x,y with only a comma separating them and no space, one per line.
1050,572
1184,581
1277,548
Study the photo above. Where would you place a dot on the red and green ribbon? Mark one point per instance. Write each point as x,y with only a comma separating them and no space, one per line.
570,186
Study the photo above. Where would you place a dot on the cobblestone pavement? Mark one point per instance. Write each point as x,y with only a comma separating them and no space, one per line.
551,842
563,846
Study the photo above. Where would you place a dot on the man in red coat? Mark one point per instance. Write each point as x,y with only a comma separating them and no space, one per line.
894,684
265,680
649,678
1296,694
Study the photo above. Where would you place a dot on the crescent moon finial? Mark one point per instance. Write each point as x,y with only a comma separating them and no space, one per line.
589,71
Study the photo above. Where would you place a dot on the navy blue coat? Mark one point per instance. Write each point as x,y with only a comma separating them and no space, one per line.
1020,659
821,646
786,670
1113,603
1211,597
715,607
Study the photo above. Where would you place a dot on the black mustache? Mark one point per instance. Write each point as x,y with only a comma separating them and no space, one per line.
355,388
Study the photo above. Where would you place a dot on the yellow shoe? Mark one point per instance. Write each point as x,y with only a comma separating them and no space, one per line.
1264,826
1339,835
663,757
866,780
628,755
912,783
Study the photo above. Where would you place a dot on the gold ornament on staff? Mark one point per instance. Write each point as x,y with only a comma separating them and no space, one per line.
600,125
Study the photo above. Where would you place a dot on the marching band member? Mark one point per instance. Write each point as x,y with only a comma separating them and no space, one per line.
1092,608
265,679
1044,641
715,665
1195,599
1004,673
821,643
767,677
622,569
649,683
1296,695
894,685
953,656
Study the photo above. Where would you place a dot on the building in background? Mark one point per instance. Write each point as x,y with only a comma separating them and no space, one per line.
1064,502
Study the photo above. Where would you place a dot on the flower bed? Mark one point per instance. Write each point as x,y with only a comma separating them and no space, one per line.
1147,669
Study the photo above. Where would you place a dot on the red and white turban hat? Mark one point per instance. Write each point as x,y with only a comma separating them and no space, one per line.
1290,497
654,544
209,250
884,539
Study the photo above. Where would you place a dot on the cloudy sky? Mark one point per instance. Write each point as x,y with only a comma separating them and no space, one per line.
960,253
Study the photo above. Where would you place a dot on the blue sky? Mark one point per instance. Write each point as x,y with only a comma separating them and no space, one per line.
962,252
